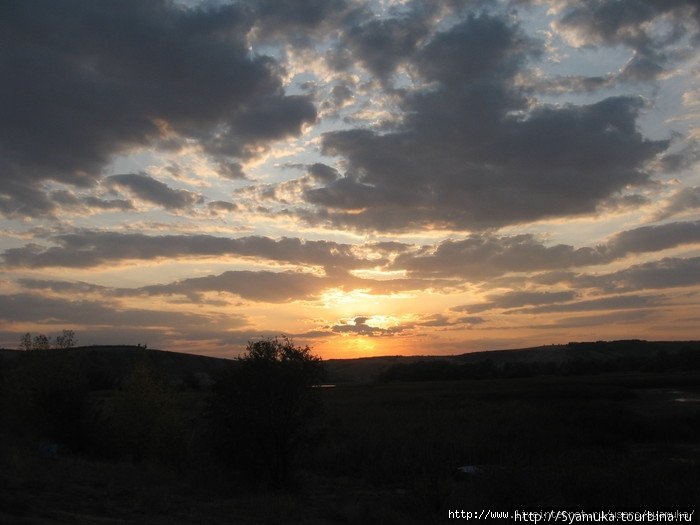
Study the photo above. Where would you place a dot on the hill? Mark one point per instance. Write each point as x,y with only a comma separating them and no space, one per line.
555,357
108,365
111,363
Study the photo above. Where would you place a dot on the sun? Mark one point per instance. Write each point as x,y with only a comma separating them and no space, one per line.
358,346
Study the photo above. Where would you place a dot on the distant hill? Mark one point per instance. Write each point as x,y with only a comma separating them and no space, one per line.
366,369
110,364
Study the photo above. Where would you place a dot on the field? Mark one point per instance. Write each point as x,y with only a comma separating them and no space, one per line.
613,440
387,453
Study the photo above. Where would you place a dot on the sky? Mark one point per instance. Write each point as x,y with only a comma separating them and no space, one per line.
367,177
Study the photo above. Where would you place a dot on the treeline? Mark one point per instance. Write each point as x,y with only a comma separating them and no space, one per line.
62,341
250,417
685,358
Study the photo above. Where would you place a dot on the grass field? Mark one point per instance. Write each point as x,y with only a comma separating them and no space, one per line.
388,453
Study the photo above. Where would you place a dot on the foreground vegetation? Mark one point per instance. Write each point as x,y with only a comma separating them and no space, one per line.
79,445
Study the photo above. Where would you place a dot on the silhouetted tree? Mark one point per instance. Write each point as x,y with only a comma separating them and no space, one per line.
41,342
262,406
25,342
66,339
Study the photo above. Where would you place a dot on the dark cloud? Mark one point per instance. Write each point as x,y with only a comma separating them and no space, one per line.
483,49
470,320
271,287
261,286
19,198
380,44
683,200
625,317
92,248
482,256
231,170
682,160
435,320
516,299
323,172
279,287
665,273
654,238
47,310
340,94
359,326
470,153
270,118
617,302
221,207
443,321
569,84
62,287
84,81
478,258
112,204
88,203
299,21
631,23
148,189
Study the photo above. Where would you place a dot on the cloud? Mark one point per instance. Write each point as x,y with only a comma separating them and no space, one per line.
441,320
298,21
683,200
86,249
665,273
271,287
654,238
287,286
86,204
221,207
148,189
381,44
617,302
471,152
561,85
231,170
515,299
115,76
258,286
62,287
47,310
626,317
359,326
476,258
323,172
482,256
635,24
340,95
21,198
684,159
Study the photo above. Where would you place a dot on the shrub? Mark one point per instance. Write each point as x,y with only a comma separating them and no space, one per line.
144,420
47,399
262,408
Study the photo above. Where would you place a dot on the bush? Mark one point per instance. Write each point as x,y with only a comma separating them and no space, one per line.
144,421
46,398
262,408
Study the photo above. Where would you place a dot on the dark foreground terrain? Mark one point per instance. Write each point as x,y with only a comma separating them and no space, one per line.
139,449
